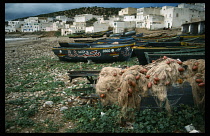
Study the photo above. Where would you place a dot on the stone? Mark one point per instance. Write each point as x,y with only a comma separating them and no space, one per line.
63,108
48,104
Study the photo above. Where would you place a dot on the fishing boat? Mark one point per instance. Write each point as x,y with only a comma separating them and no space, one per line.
96,35
183,54
120,40
87,40
116,35
139,50
138,35
128,34
95,52
99,41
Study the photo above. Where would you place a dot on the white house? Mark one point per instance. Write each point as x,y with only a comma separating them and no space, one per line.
129,18
141,16
31,24
62,18
10,29
79,26
97,27
44,26
15,24
127,11
85,17
153,22
195,6
194,27
119,26
174,17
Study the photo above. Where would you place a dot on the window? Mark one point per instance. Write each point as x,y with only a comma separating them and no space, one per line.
177,15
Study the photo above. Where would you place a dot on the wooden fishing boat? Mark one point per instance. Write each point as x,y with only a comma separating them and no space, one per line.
87,40
95,52
183,54
120,40
163,35
116,35
192,36
139,50
152,36
128,34
96,35
97,42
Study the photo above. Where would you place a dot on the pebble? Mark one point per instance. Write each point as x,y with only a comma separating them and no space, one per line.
63,108
12,127
48,104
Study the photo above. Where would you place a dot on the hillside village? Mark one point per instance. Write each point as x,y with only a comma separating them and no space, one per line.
190,18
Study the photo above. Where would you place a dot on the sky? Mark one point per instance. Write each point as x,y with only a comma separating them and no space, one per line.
20,10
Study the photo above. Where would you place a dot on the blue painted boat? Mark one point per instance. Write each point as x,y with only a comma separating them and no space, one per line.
95,52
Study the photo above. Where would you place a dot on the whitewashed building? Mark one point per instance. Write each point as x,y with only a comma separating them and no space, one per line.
85,17
194,27
31,24
144,18
127,11
195,6
119,26
10,29
174,17
154,22
45,26
129,18
97,27
79,26
63,18
13,26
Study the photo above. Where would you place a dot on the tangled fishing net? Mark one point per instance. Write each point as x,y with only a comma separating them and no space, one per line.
126,87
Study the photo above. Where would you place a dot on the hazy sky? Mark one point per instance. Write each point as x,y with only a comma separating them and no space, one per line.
19,10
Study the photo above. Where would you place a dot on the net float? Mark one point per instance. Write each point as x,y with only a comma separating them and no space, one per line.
130,82
115,74
181,69
168,62
198,80
201,84
180,81
133,83
137,77
130,90
149,85
179,62
194,68
196,63
147,76
102,95
165,57
156,79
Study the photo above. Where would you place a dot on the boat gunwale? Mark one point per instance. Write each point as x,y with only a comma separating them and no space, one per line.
68,48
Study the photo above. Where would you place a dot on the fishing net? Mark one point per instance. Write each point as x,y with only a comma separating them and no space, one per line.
108,84
195,75
126,87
